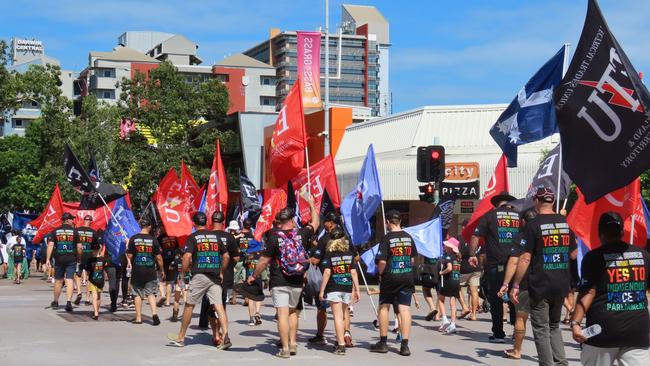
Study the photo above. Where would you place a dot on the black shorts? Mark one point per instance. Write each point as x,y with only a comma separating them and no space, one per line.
18,259
449,291
400,297
170,275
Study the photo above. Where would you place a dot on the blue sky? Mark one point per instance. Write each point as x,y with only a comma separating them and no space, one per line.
443,52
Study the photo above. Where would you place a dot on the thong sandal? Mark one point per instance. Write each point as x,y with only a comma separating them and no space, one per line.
509,355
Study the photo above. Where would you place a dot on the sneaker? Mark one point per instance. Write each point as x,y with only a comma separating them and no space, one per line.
318,339
113,308
174,316
379,347
444,324
124,304
95,317
451,328
431,315
404,350
339,350
156,319
283,354
293,349
251,322
77,301
54,305
258,319
68,307
347,337
225,344
494,339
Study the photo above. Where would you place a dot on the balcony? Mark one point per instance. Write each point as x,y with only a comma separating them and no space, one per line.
97,82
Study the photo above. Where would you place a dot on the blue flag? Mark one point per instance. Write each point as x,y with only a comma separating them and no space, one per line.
202,204
646,215
20,220
114,238
582,250
531,115
428,237
368,257
361,204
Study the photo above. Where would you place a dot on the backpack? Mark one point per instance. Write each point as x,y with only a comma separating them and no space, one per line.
293,258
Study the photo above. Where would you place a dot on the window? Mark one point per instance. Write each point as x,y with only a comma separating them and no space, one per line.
107,74
106,94
224,78
267,101
266,80
18,123
34,103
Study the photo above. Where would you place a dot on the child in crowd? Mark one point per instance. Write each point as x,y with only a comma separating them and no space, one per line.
340,286
449,284
253,292
18,252
95,267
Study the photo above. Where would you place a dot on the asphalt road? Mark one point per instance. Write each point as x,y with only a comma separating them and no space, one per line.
33,334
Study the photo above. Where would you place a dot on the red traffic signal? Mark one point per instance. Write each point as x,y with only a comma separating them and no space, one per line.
431,163
435,155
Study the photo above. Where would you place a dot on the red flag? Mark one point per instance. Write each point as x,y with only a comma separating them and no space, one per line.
323,177
497,184
173,207
100,215
287,152
50,218
216,197
189,188
583,219
275,200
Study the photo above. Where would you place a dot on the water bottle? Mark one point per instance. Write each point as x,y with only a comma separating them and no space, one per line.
506,298
591,331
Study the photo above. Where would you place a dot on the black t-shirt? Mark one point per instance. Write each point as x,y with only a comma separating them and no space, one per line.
243,240
169,248
340,265
397,248
450,280
88,239
498,227
550,242
95,267
232,246
321,249
65,245
620,274
272,250
207,253
18,250
517,250
144,249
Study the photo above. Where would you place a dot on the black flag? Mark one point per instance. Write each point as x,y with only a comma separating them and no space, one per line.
602,111
546,176
109,192
75,173
249,199
93,170
326,205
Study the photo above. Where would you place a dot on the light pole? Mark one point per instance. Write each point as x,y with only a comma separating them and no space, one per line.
326,124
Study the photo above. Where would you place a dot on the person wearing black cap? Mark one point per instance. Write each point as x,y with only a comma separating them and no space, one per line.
62,246
612,294
232,245
498,228
170,254
548,246
143,251
286,251
394,261
208,257
87,239
244,237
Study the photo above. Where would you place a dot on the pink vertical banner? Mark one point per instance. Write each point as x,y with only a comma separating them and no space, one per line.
309,68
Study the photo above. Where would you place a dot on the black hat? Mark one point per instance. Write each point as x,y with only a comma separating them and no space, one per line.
88,217
247,223
218,216
611,224
503,196
393,215
337,233
145,222
285,214
252,292
331,217
199,219
545,194
67,216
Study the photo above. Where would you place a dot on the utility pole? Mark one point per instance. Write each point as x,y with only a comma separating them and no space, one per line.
326,124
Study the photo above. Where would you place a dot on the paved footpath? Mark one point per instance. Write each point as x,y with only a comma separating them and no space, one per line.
33,334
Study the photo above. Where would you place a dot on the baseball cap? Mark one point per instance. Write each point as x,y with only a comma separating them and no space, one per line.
285,214
610,223
545,194
199,219
393,215
330,216
145,222
247,224
88,218
67,216
218,216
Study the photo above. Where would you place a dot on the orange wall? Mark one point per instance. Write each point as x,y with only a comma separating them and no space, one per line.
340,119
236,93
141,67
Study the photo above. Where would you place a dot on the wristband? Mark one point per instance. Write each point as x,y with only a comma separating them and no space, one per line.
504,285
515,286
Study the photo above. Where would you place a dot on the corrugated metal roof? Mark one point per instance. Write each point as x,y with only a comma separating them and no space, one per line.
463,130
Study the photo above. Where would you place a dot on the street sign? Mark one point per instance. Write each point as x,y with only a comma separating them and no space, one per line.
460,190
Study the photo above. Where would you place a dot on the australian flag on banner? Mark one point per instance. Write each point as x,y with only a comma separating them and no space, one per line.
531,115
115,238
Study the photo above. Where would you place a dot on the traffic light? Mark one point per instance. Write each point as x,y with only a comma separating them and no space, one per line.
427,193
431,163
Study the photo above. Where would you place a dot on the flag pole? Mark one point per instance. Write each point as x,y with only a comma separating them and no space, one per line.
111,214
565,66
363,277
